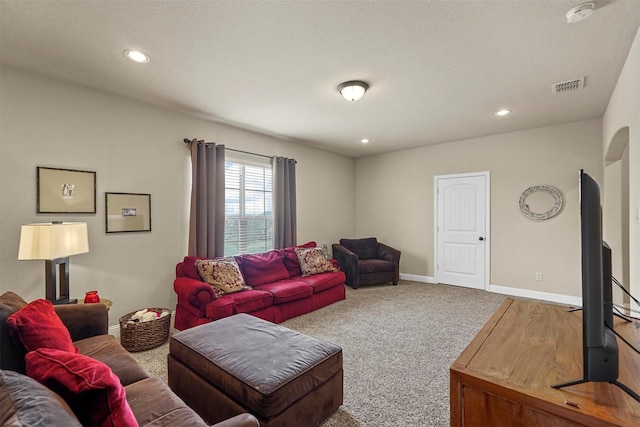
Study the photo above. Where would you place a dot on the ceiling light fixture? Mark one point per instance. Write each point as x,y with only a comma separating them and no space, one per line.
502,112
353,89
364,140
580,13
136,56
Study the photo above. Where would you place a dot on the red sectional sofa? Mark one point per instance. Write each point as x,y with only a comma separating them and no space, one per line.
276,294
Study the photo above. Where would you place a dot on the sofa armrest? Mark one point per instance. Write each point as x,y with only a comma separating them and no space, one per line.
242,420
348,263
84,320
193,293
390,254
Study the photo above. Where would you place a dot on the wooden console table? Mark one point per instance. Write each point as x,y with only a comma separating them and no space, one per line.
504,376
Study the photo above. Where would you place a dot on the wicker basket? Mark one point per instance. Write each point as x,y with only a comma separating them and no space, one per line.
144,335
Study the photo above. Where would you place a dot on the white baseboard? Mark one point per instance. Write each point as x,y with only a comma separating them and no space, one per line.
544,296
506,290
416,278
631,310
114,330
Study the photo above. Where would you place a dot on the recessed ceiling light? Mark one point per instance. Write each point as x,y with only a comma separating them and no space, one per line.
136,56
364,140
502,112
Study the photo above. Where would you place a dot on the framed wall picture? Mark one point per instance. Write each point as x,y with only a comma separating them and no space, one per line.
127,212
66,191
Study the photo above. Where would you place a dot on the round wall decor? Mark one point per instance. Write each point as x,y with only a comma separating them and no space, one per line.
540,202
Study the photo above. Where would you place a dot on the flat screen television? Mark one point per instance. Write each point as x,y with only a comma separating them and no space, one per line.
599,345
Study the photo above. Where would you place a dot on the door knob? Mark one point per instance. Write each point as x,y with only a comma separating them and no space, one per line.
481,238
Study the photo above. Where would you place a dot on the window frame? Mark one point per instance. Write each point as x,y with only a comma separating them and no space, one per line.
245,160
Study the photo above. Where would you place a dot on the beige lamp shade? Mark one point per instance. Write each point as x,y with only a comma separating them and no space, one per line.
50,241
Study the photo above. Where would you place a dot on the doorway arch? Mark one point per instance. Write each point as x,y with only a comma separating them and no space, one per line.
616,209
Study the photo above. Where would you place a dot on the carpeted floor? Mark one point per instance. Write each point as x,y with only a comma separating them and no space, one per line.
398,343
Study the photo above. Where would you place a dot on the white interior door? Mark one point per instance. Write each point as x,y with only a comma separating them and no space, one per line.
462,230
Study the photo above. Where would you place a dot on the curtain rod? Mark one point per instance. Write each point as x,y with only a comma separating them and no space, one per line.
188,141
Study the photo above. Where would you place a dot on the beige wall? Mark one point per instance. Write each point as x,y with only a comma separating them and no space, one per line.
394,201
622,117
136,147
615,207
133,147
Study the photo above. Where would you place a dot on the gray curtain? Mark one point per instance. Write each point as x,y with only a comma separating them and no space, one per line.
284,202
206,222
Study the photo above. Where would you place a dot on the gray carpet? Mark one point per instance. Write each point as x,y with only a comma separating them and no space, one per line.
398,343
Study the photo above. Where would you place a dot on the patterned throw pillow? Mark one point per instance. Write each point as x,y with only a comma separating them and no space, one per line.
222,274
291,259
313,261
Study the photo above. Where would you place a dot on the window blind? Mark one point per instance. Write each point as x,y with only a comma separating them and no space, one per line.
248,207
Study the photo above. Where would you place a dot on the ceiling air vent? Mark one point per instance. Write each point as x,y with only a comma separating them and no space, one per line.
568,85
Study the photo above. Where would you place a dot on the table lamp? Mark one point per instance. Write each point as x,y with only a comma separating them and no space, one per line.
54,242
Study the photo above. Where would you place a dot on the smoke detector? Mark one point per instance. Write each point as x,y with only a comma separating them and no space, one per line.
580,13
567,86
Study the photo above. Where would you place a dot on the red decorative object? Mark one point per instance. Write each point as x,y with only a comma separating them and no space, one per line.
91,297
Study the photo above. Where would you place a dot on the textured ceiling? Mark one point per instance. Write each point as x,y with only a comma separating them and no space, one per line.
437,70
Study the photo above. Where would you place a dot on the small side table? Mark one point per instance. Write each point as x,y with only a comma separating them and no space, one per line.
104,301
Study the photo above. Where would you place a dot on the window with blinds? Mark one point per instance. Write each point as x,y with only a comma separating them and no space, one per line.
248,206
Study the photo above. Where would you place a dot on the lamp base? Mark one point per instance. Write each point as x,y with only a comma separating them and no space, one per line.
50,282
62,301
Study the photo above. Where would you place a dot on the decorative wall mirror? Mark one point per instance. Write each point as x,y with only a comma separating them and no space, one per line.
540,202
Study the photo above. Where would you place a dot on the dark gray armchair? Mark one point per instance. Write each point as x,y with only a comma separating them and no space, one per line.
367,261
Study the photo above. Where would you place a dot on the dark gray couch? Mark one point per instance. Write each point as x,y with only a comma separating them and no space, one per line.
24,401
367,261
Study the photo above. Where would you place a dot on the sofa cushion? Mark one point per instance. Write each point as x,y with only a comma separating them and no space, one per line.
323,281
11,356
366,248
36,325
290,258
264,268
25,402
107,349
375,266
287,290
313,261
222,274
92,390
241,302
154,404
221,307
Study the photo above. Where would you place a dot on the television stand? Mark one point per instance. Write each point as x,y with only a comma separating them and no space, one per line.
504,376
618,315
626,389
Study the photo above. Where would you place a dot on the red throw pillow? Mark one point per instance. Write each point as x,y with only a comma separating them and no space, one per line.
189,267
91,389
264,268
291,259
37,325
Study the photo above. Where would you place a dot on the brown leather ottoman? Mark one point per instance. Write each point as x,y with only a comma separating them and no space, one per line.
245,364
